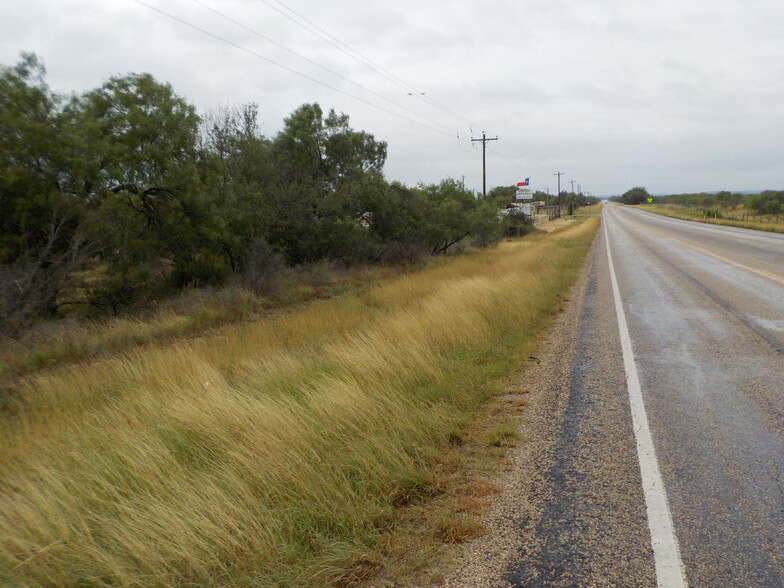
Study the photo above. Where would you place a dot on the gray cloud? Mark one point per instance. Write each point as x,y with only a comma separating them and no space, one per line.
677,95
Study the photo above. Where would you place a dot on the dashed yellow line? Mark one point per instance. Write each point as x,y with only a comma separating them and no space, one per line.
755,270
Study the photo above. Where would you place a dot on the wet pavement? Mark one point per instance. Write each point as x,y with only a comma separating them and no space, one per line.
705,313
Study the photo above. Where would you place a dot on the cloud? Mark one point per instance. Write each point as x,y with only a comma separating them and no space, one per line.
622,92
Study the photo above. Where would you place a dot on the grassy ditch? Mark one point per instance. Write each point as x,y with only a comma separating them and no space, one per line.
277,453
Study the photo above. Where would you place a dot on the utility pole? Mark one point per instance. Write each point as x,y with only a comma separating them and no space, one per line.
572,183
484,140
559,174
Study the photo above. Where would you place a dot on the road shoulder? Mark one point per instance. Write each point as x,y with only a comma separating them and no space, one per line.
571,509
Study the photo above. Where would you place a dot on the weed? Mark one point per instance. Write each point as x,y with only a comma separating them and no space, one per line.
503,434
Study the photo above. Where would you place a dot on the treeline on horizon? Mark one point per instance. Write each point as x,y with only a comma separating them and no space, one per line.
766,202
125,193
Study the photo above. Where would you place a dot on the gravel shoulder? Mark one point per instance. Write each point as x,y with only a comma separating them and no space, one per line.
571,510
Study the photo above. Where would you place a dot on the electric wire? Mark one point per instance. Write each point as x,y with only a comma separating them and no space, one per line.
337,43
326,36
313,62
290,69
316,30
356,55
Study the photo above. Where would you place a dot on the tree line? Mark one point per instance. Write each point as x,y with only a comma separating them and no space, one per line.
125,192
504,194
766,202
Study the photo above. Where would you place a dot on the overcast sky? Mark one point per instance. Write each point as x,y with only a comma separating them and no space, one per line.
674,95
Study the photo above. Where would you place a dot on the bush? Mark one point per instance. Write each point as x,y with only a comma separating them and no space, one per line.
16,310
202,269
121,289
264,269
408,252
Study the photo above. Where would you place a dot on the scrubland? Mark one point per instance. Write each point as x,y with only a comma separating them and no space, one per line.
271,453
732,217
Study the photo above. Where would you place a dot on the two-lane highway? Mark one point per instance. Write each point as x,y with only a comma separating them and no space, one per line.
705,309
655,426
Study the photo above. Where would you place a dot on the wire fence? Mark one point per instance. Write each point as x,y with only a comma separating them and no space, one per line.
743,216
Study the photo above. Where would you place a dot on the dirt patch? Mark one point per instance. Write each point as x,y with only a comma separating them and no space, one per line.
549,226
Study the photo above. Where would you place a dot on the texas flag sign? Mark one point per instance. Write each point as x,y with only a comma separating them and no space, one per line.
525,183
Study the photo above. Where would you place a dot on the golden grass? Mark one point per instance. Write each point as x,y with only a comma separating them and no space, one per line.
277,452
731,217
190,313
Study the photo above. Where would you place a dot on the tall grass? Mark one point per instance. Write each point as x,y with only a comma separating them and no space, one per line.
188,314
276,453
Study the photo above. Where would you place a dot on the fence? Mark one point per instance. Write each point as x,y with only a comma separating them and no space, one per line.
751,217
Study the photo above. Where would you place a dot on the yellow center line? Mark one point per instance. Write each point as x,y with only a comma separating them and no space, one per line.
756,270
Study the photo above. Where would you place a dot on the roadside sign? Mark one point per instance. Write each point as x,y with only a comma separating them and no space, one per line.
524,194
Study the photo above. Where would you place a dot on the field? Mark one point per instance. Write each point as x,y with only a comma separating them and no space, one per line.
721,215
283,451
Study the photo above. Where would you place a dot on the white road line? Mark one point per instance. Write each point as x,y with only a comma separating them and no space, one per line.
666,552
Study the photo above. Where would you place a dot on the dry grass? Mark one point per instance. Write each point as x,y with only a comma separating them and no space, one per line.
278,452
731,217
188,314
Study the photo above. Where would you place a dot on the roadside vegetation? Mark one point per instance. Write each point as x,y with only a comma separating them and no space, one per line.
231,359
763,211
124,195
190,313
301,449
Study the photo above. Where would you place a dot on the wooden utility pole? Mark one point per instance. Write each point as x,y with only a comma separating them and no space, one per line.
484,140
559,174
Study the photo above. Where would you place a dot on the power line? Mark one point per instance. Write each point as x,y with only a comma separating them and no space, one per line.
503,156
313,62
338,44
326,36
292,70
356,55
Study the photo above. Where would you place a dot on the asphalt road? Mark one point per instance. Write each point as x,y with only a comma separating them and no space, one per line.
704,308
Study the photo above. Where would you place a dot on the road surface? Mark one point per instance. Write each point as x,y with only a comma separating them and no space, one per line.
703,308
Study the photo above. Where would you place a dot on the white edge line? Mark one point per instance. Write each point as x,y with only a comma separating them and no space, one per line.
666,552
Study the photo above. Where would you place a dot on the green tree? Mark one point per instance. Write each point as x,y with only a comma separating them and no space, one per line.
484,224
768,202
451,214
141,166
729,198
42,242
326,176
636,195
501,195
237,174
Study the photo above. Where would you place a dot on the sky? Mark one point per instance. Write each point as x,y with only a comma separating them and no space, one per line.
673,95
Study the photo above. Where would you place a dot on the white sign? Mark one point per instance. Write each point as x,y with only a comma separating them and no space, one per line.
524,194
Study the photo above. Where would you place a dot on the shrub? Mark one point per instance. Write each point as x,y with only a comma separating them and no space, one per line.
264,269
